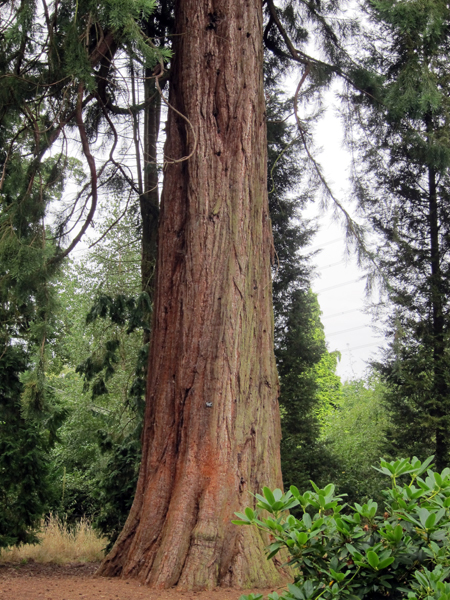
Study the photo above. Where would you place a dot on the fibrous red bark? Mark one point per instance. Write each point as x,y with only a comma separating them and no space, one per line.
212,431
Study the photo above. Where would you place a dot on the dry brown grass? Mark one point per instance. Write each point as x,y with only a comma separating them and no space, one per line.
59,544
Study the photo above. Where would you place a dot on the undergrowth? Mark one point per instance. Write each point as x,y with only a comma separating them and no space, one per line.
60,544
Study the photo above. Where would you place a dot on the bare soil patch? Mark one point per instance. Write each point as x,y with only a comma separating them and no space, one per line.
77,581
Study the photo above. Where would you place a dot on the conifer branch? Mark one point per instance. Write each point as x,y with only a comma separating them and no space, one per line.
296,54
353,229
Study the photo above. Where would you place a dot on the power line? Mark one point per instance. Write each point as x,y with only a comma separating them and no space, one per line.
339,239
333,287
344,312
346,330
362,346
339,262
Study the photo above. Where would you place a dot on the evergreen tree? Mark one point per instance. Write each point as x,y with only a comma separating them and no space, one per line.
299,338
25,484
57,69
402,184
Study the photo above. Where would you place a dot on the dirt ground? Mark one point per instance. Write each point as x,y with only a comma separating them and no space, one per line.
77,581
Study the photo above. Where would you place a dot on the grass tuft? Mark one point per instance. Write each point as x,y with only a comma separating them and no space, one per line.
60,544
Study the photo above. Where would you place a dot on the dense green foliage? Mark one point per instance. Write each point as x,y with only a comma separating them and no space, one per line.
24,471
58,74
103,318
363,551
355,432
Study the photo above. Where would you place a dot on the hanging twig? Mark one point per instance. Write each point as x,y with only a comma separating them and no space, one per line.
91,162
158,74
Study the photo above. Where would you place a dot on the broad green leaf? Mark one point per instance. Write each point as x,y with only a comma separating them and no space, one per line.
373,559
430,521
296,591
265,506
423,516
307,521
294,491
440,513
390,467
425,465
242,516
398,532
385,563
308,588
302,538
269,496
249,513
315,486
273,553
317,524
277,494
329,489
383,470
337,576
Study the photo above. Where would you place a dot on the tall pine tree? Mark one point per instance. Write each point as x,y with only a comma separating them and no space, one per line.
403,188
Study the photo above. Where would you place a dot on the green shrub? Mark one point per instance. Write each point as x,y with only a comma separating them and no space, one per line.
351,552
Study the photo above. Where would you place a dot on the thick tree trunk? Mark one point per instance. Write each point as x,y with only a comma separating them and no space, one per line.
212,430
439,408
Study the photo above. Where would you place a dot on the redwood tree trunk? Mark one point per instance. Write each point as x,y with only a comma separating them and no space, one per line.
212,431
439,401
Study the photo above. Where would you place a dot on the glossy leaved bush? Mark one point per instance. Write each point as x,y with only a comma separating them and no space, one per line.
338,551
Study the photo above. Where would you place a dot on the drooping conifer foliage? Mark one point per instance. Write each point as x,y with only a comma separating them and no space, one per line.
403,184
60,91
24,478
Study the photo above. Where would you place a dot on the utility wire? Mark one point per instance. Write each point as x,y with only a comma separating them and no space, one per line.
331,265
344,312
346,330
333,287
362,346
339,239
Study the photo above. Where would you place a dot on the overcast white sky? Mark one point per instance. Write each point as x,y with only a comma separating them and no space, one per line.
339,286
